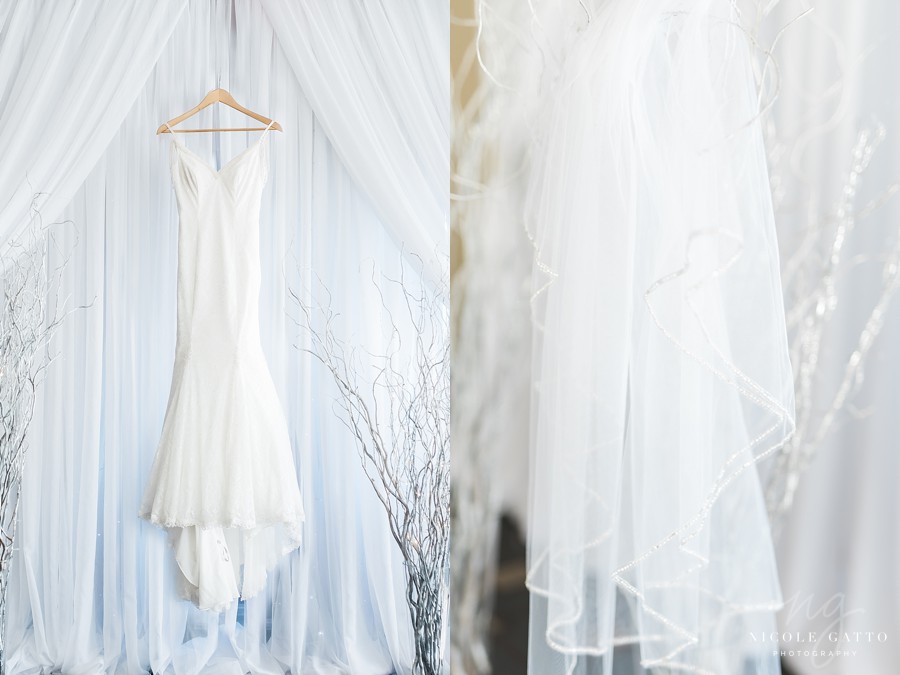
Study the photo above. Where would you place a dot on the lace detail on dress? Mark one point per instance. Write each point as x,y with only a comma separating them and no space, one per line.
294,517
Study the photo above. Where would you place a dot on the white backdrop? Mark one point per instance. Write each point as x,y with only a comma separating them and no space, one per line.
92,588
838,552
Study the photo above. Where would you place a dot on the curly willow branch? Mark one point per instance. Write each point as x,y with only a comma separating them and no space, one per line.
28,319
396,406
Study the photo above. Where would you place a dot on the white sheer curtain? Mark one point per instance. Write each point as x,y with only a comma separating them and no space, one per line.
92,588
661,372
377,74
69,72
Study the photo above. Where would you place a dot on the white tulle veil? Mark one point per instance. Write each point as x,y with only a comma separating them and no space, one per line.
660,364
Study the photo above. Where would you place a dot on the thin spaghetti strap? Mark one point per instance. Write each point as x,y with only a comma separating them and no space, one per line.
174,136
266,130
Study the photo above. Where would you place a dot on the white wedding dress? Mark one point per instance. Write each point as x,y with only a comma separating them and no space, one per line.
223,482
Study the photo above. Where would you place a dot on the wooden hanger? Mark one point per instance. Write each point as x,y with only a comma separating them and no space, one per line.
217,96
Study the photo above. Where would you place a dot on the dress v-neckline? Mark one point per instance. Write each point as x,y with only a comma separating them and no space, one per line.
229,163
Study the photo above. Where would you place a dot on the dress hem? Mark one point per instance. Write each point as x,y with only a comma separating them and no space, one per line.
289,519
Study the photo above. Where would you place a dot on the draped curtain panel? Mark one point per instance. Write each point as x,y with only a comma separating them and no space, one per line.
69,73
376,75
92,588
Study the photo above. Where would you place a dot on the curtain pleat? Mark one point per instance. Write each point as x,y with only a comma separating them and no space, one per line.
377,77
70,71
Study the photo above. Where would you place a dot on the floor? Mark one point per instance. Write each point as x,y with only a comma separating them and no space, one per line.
509,627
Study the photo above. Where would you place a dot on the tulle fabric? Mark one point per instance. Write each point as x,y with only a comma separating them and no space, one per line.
660,364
